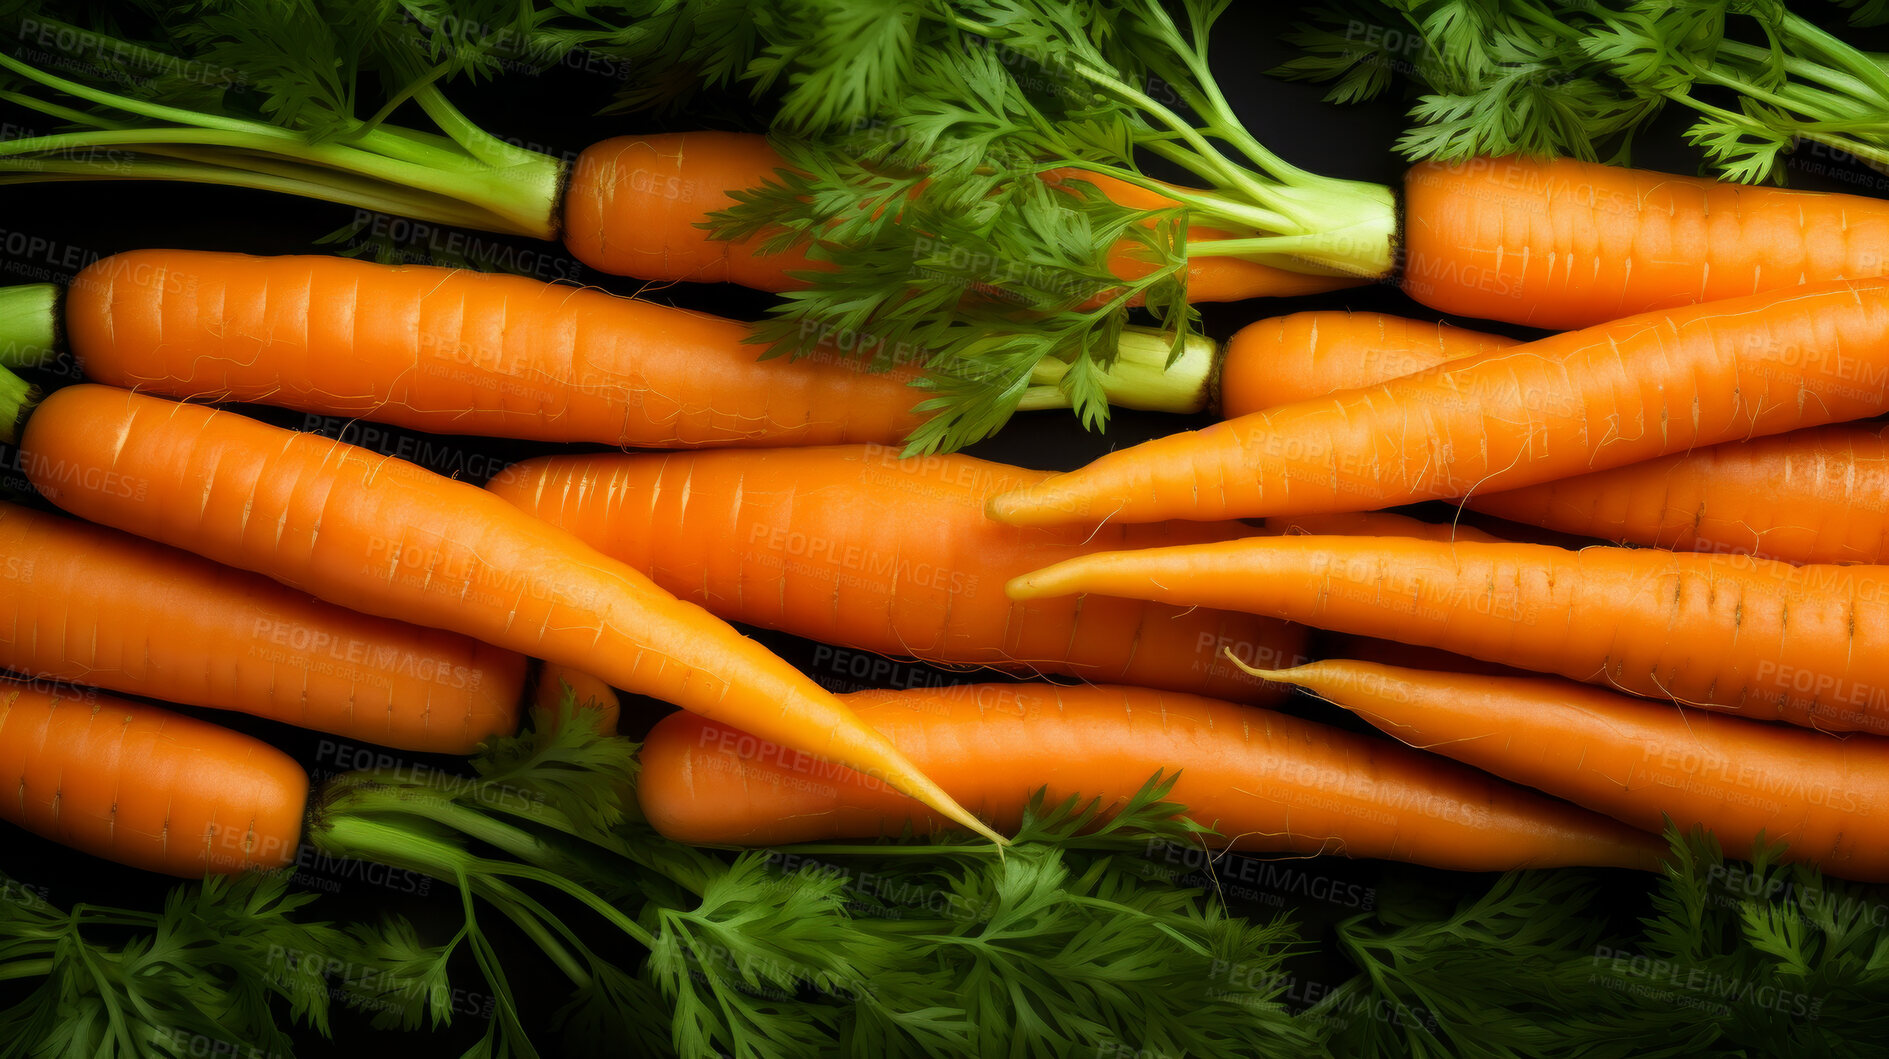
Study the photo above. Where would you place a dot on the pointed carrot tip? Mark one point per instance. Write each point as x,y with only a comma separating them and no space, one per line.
1277,676
1038,505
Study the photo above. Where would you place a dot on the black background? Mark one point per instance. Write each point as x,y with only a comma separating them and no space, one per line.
49,231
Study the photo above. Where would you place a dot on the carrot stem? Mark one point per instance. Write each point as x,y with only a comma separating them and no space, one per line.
28,324
17,398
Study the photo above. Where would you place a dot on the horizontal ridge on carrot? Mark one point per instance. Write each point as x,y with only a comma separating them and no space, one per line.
94,606
856,547
1637,761
1285,359
1264,780
387,537
1819,495
1764,639
143,786
1580,401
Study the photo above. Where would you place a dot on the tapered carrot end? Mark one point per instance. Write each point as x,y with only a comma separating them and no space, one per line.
1277,676
1057,579
1044,504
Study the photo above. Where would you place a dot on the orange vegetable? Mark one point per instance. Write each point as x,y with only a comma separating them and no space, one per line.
1571,403
1637,761
1264,780
386,537
555,680
144,786
855,547
1819,495
1767,640
94,606
1285,359
1376,524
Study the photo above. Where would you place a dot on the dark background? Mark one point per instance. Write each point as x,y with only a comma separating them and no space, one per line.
50,231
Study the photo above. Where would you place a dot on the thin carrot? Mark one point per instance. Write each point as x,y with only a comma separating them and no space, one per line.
1819,495
1286,359
638,206
146,787
94,606
1264,780
1768,640
387,537
1565,243
1636,761
1376,524
855,547
1580,401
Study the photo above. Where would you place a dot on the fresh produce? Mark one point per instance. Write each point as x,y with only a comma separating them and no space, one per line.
451,350
144,786
1639,762
1264,780
856,547
384,536
1610,395
90,605
1767,640
1376,524
1808,496
1286,359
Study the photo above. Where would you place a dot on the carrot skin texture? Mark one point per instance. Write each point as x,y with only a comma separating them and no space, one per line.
1634,760
1819,495
146,787
455,351
588,692
384,536
1564,244
1376,524
634,203
855,547
1286,359
1614,394
1266,780
90,605
1766,640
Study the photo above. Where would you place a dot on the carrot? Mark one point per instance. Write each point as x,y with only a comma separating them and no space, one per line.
1329,645
387,537
1819,495
454,351
1571,403
94,606
855,547
1264,780
638,206
589,693
146,787
1565,243
1286,359
1638,762
1376,524
1765,639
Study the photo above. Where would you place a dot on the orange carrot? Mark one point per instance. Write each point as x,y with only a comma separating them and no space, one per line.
1768,640
1264,780
94,606
454,351
636,204
144,786
1636,761
855,547
1611,395
1819,495
1376,524
1564,243
387,537
555,681
1286,359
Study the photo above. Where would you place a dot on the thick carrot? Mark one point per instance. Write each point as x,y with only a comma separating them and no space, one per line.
1286,359
1264,780
856,547
1765,639
1636,761
1376,524
94,606
1580,401
635,206
456,351
1819,495
387,537
146,787
1564,243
